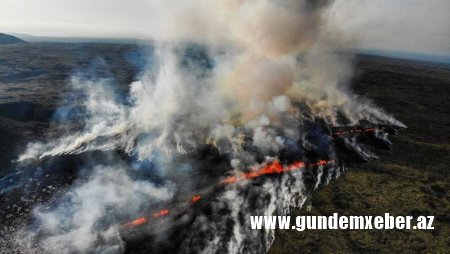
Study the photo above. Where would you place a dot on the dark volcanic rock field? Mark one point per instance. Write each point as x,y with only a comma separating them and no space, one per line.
411,179
35,79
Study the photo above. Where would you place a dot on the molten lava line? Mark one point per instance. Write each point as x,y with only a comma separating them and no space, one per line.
136,222
274,167
366,130
195,198
271,168
161,213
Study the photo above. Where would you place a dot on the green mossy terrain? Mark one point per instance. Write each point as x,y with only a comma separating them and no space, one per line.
411,179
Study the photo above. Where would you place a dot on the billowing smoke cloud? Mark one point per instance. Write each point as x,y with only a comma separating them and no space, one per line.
77,223
262,50
267,67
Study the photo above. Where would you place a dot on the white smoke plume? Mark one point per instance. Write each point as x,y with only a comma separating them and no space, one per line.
269,56
275,65
273,197
73,224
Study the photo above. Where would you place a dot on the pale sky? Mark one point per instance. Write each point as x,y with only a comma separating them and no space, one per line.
421,26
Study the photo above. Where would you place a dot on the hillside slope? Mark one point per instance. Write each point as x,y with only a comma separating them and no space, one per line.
9,39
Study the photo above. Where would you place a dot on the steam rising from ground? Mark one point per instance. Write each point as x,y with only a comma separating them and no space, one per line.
271,65
273,197
77,223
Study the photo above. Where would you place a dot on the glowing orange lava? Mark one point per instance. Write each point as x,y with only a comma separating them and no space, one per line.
228,180
137,222
196,198
274,167
161,213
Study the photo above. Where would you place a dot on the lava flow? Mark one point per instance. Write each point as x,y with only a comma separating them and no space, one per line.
271,168
274,167
358,130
